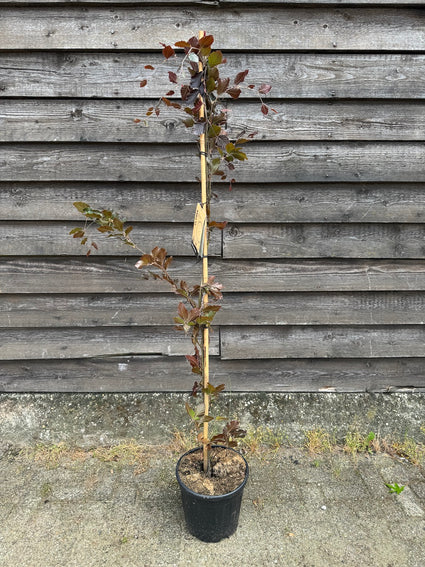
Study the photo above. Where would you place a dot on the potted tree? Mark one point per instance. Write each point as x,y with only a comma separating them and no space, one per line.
212,476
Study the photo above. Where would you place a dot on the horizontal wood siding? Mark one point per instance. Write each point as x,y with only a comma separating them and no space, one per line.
323,259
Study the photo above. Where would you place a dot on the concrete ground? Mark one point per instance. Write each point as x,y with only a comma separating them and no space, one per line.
87,508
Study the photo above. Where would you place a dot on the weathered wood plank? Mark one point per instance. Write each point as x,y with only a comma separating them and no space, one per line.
332,240
44,239
104,275
242,241
259,203
293,75
223,3
340,3
113,121
130,310
323,202
322,342
287,28
267,162
30,344
165,374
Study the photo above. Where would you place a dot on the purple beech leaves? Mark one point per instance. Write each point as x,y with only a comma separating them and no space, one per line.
203,89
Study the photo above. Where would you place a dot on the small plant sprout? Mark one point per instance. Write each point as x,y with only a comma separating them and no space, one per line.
198,83
395,488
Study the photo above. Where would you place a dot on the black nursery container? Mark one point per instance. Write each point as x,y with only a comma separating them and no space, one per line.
211,518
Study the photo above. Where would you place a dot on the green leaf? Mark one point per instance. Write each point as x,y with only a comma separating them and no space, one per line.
211,85
395,488
215,58
188,122
191,412
81,207
118,224
206,419
75,230
214,131
241,156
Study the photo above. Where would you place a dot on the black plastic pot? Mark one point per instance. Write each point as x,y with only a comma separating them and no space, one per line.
211,518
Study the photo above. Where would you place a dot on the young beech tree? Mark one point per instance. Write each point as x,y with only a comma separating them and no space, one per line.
197,81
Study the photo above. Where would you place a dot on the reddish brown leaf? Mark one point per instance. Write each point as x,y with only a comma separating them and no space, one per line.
149,67
168,51
172,76
233,92
182,311
194,41
240,77
264,109
78,234
265,88
143,83
222,85
185,91
182,44
136,120
206,41
219,225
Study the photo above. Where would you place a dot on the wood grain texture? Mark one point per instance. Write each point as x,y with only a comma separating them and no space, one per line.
114,121
166,374
326,241
322,342
267,163
151,310
323,258
372,241
246,203
44,344
225,3
44,239
295,28
293,75
116,275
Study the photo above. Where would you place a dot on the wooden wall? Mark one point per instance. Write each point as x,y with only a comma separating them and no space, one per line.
323,258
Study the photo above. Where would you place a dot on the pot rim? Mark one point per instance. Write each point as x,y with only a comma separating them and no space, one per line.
212,496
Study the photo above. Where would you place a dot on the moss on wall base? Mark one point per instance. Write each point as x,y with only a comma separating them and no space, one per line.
104,419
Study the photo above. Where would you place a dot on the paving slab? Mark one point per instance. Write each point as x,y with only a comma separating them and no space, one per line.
298,510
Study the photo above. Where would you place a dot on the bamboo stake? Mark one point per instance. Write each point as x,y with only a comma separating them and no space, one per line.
205,354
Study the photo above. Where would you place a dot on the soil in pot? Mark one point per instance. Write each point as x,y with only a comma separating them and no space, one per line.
227,472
